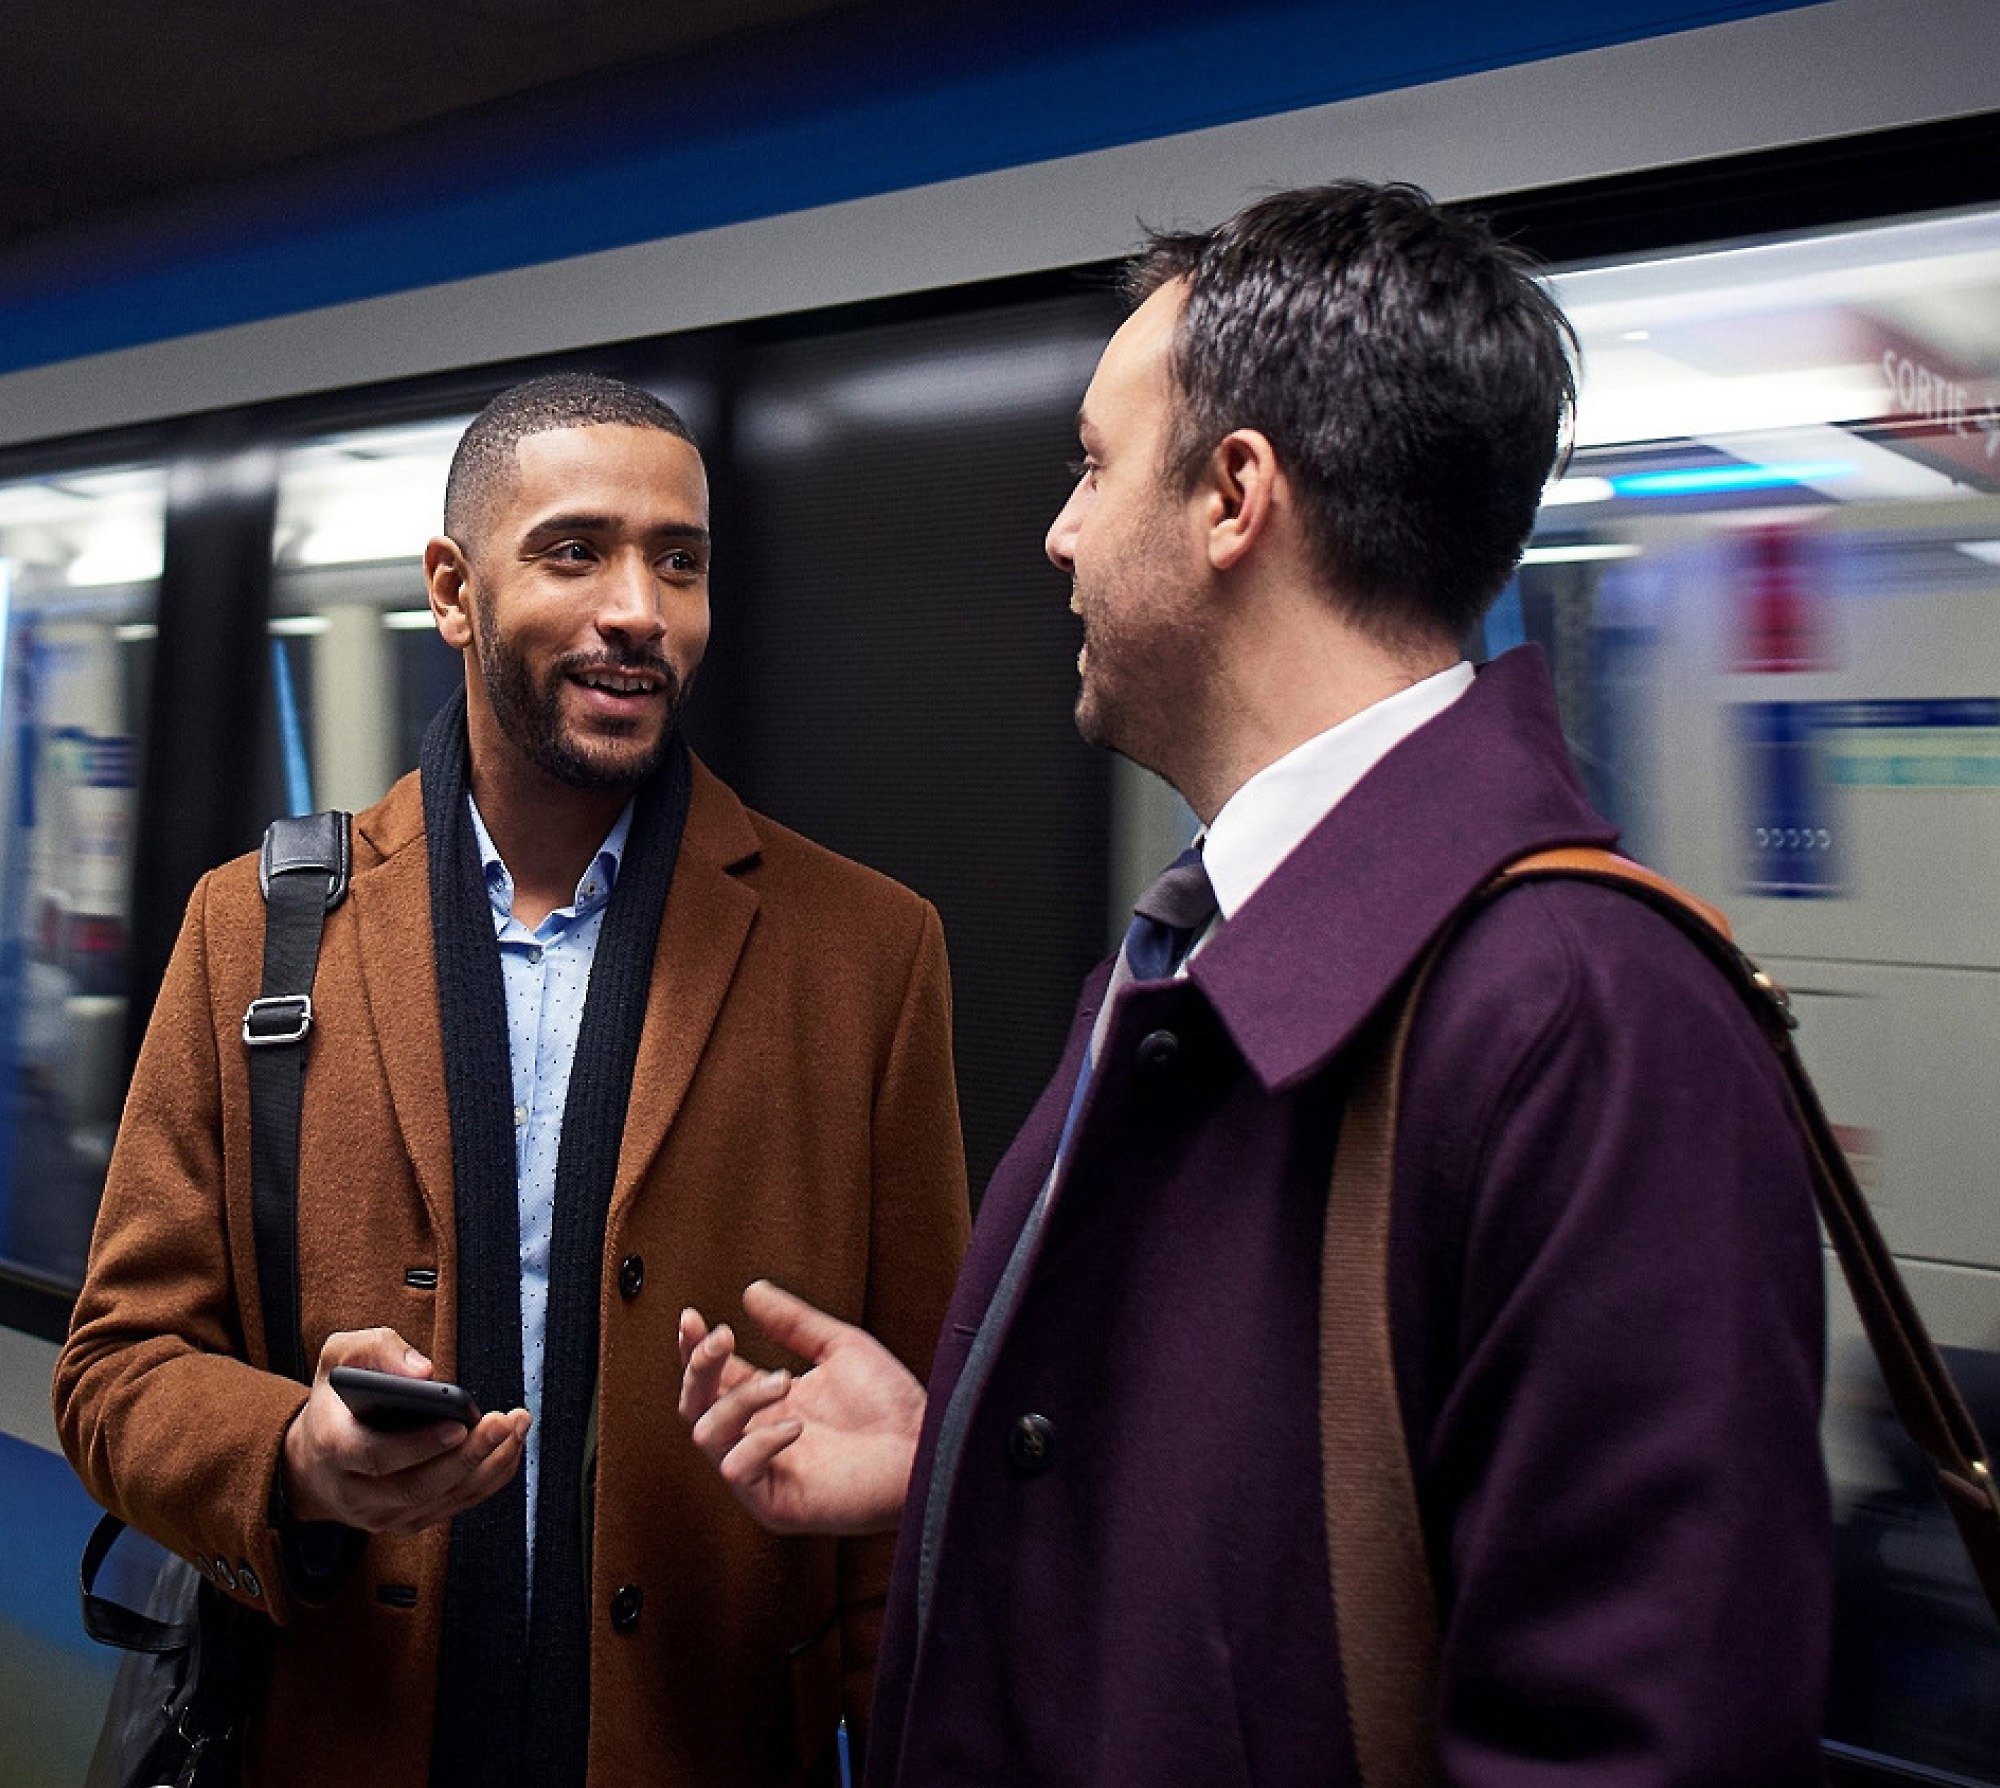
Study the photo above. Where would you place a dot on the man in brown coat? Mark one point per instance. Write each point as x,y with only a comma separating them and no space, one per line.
561,885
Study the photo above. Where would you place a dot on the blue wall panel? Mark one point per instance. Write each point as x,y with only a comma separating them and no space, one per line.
844,107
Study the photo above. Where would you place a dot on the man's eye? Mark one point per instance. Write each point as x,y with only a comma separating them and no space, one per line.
682,562
570,552
1080,469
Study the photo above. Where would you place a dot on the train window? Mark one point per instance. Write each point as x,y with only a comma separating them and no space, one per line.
356,667
1769,586
79,571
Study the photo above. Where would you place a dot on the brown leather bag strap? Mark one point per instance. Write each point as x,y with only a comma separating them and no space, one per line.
1384,1608
1385,1612
1921,1390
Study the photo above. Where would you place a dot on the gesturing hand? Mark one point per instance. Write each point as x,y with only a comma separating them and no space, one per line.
827,1451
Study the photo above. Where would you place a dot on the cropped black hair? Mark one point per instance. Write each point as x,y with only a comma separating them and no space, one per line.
483,462
1414,379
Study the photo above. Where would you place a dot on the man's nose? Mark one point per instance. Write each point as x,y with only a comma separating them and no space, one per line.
1061,540
629,603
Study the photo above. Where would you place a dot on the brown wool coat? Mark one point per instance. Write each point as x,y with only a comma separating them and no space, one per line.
792,1115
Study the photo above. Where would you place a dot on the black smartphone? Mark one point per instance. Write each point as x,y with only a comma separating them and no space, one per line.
395,1404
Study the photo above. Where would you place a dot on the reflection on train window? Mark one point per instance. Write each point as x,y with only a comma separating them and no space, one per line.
1769,586
79,571
357,669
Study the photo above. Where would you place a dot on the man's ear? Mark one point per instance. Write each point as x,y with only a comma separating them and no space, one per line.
448,580
1242,496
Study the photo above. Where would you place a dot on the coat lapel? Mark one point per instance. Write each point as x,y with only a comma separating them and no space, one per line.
392,904
708,918
1301,967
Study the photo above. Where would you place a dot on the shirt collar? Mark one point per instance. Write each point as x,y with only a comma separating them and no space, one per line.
1270,816
593,887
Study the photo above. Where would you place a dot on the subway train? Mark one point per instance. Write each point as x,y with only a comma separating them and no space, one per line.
1767,581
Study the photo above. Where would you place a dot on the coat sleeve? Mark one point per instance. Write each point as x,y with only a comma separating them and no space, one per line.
920,1218
165,1420
1611,1341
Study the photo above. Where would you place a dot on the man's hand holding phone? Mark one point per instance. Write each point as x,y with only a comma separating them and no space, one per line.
390,1458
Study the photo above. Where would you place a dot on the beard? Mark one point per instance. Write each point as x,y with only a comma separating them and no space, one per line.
1148,653
531,715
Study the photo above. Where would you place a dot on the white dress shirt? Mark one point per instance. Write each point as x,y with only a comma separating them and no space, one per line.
1271,815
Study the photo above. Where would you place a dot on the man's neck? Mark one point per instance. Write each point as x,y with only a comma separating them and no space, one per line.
1289,686
546,832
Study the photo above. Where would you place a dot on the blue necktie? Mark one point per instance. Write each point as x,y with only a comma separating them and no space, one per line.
1167,918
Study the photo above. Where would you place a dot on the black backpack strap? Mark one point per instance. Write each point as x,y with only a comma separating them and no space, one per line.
303,871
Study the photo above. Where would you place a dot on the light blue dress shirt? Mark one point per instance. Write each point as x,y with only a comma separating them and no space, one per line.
546,973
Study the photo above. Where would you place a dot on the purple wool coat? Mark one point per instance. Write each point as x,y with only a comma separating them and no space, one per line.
1606,1303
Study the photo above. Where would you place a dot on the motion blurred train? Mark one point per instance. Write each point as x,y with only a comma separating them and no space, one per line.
1767,580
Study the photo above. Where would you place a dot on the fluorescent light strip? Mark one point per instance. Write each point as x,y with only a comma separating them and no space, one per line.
1581,554
1702,480
1566,491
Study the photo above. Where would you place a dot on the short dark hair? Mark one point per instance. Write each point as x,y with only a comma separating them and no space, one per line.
1414,379
484,458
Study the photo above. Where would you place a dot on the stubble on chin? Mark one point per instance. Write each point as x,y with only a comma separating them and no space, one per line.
1089,716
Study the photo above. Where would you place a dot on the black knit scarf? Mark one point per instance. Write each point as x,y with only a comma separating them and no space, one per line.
513,1699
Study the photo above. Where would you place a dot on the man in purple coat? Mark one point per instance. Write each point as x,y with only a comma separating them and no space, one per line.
1311,457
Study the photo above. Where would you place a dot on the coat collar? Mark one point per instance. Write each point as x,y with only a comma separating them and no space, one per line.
709,913
1300,968
708,918
390,897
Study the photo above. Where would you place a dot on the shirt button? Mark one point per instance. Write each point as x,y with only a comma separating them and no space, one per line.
625,1607
1031,1444
535,953
520,1116
632,1274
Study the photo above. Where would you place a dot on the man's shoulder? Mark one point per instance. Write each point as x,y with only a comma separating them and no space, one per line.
1573,978
792,863
234,889
1568,937
786,866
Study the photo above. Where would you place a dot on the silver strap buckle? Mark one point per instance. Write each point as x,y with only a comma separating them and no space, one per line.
277,1018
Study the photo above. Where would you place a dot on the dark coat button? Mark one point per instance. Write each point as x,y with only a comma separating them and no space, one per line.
1031,1444
631,1274
247,1580
1157,1049
625,1606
